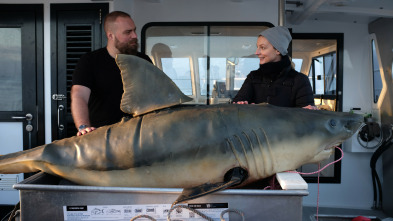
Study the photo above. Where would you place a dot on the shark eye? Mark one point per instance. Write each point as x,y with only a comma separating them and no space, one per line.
332,123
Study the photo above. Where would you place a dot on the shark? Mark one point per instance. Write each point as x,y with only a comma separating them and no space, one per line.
168,143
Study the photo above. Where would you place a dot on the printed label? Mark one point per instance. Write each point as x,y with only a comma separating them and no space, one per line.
157,211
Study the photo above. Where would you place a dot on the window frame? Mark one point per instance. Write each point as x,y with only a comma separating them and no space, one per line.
312,67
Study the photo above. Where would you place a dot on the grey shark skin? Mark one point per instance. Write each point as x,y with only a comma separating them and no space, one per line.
189,146
186,146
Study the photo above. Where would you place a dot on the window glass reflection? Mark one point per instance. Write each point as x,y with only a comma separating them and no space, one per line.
319,83
11,69
323,75
230,72
179,70
330,73
298,64
377,80
242,69
217,73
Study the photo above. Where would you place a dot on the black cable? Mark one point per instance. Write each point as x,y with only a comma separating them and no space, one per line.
16,208
379,205
374,174
374,189
6,216
374,158
11,214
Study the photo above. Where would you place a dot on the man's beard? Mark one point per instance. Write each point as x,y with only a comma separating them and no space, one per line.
128,47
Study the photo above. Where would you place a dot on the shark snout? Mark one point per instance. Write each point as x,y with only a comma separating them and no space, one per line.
353,124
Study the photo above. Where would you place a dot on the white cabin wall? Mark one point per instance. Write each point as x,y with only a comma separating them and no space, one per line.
355,190
145,11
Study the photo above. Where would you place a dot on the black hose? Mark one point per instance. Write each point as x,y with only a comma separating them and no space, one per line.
374,189
377,187
12,213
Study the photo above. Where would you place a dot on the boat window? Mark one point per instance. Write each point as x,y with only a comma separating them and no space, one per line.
11,67
219,67
322,74
298,64
208,61
179,70
217,74
242,68
377,80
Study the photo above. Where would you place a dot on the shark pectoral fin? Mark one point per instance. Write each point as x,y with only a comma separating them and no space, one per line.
146,87
233,177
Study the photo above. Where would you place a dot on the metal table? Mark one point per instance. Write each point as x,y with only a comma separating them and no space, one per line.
45,197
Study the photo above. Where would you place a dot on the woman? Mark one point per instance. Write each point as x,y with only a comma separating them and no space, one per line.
275,82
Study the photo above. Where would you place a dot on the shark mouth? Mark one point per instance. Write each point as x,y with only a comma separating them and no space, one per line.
330,147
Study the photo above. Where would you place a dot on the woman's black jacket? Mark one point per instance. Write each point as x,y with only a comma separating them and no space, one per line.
287,88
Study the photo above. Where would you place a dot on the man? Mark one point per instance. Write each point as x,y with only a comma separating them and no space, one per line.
97,86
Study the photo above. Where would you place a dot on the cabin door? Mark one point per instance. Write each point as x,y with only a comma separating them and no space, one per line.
76,29
21,86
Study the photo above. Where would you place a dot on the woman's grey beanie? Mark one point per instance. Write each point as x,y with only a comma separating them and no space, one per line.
279,37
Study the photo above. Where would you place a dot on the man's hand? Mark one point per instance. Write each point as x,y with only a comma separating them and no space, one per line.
80,113
85,131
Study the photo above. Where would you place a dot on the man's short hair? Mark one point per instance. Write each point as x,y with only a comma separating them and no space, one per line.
111,18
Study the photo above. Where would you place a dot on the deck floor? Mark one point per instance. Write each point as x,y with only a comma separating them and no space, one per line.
345,214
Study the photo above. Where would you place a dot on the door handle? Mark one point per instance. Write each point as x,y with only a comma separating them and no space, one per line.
29,127
28,117
59,109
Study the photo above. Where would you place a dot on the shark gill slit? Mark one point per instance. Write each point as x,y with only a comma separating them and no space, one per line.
241,145
250,157
138,133
107,142
258,158
231,144
268,164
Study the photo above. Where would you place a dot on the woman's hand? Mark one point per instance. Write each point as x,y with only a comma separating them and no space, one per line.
242,102
311,107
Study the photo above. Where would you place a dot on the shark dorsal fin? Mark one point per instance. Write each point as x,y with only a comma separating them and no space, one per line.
146,87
